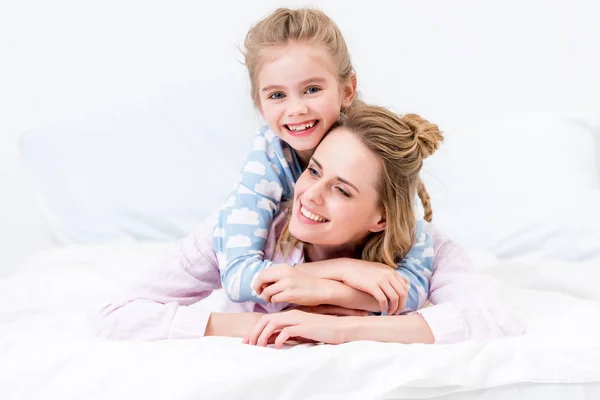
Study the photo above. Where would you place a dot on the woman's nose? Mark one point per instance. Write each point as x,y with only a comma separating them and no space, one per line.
314,194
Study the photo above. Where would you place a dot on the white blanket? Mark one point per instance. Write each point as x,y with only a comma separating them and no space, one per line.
48,349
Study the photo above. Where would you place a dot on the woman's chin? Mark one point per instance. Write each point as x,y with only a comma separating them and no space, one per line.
302,235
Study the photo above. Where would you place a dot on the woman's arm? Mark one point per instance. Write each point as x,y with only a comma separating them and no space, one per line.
231,324
395,329
159,306
466,305
337,330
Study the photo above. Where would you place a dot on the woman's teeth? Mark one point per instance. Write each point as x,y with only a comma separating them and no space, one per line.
301,127
312,216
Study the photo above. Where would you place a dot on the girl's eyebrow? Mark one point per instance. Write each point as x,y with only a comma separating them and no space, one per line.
316,79
337,177
271,87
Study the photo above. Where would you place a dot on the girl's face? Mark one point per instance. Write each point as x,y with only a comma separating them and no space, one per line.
300,95
336,202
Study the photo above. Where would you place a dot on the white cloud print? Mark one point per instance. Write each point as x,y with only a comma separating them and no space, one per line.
421,240
238,241
261,233
414,261
266,204
255,167
219,232
233,286
243,216
260,143
254,278
428,252
270,189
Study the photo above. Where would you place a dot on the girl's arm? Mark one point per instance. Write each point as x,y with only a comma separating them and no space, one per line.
285,284
239,237
416,268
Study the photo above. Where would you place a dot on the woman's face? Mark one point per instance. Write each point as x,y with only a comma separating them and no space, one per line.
336,202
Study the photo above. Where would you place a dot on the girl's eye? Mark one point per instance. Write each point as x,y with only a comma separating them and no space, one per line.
312,171
342,192
277,96
312,90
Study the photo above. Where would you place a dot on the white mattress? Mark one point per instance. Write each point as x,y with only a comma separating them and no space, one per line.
48,349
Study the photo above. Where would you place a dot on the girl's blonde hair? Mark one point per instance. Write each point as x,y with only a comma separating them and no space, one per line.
401,144
285,25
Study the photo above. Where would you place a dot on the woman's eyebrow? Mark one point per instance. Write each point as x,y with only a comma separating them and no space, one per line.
337,177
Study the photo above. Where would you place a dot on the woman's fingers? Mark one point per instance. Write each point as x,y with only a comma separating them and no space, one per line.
269,330
287,333
257,330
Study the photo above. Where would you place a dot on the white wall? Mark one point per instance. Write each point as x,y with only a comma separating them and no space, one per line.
63,57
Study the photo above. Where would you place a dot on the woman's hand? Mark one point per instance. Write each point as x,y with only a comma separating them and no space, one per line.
298,325
385,284
284,284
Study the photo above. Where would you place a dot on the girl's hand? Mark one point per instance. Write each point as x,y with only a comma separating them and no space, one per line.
298,325
380,281
333,310
284,284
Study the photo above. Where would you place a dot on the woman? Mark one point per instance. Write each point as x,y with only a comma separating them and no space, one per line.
351,220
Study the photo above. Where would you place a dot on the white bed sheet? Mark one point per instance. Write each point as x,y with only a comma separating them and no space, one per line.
48,349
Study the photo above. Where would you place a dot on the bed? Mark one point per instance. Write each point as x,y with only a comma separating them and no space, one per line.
50,351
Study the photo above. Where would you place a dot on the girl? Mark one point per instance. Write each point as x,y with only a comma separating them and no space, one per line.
301,79
358,188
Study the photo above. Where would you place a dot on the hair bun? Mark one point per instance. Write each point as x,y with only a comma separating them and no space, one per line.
428,135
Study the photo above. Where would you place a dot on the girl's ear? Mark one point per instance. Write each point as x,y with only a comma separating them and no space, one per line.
349,91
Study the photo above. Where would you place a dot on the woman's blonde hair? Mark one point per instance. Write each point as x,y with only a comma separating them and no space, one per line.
285,25
401,144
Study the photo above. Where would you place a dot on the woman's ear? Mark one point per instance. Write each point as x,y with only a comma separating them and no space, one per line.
349,91
380,224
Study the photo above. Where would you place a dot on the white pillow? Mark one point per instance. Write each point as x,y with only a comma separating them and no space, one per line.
513,185
149,172
518,185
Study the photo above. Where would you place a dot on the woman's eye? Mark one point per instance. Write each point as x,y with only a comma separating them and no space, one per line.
342,192
313,90
277,96
312,171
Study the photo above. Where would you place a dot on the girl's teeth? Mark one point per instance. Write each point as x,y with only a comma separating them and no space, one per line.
301,127
312,216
